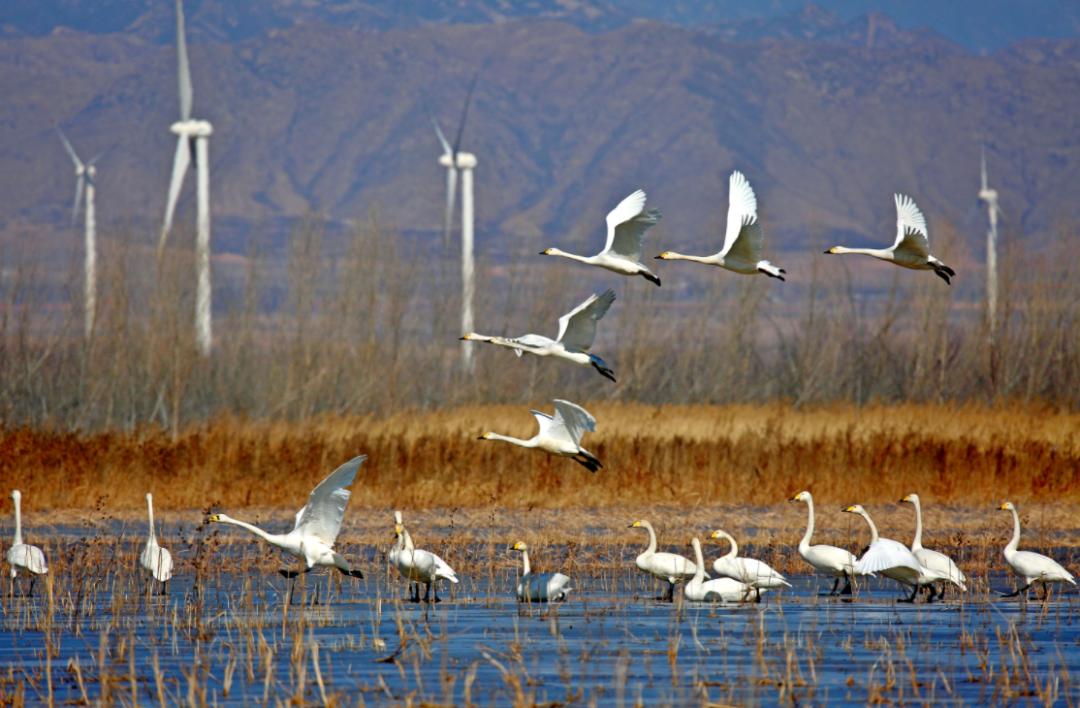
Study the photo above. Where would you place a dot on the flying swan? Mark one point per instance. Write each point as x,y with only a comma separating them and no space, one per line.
666,566
559,434
317,524
698,589
418,566
155,559
541,587
827,560
892,559
911,249
1032,567
626,227
743,239
935,561
577,332
22,555
749,571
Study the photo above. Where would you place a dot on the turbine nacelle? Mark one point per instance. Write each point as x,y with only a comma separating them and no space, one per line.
192,128
465,161
988,195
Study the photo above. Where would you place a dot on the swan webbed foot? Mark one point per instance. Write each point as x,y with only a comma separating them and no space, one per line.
651,278
605,371
945,273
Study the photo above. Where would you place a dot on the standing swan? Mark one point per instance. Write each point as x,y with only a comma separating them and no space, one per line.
827,560
749,571
911,249
156,560
698,589
317,524
559,434
577,332
937,562
743,240
666,566
1032,567
23,555
892,559
418,566
541,587
626,227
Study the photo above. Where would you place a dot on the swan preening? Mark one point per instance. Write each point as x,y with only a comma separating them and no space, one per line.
936,562
743,240
23,556
626,227
416,565
911,248
559,434
1032,567
155,559
749,571
698,589
892,559
666,566
317,524
577,332
827,560
539,587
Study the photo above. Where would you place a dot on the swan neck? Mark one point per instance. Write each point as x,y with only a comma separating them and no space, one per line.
525,568
876,252
18,522
1016,532
672,256
513,441
699,573
268,537
571,256
805,543
917,543
652,538
150,514
873,528
734,552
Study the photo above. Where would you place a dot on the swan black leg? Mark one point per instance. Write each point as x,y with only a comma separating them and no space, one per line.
847,586
835,587
910,599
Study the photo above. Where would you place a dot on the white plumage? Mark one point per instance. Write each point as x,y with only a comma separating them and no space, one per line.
23,556
155,559
749,571
317,524
698,589
665,566
559,434
744,241
892,559
1032,567
912,246
933,560
577,332
626,227
828,560
416,565
539,587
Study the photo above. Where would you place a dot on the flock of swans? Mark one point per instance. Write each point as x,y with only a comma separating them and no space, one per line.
739,579
317,524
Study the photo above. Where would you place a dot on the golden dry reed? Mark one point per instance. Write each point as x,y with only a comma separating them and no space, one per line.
682,456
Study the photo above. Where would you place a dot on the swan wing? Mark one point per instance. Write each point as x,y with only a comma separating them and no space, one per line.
321,517
743,239
158,561
577,328
627,224
443,569
911,237
26,556
544,420
885,554
573,420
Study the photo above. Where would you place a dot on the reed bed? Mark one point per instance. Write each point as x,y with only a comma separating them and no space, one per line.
682,456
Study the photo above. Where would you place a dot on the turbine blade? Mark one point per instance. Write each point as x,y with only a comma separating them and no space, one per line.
448,218
180,165
183,69
97,157
983,169
70,150
442,138
464,116
80,185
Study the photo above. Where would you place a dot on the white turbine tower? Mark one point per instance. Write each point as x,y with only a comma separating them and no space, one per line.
455,161
193,137
990,196
84,182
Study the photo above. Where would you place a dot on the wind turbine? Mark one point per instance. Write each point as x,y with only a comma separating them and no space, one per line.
84,182
193,137
990,196
455,161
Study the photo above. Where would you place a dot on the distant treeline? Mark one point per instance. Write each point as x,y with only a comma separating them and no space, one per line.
373,328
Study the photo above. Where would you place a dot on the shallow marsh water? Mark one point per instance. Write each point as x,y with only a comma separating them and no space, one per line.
233,640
